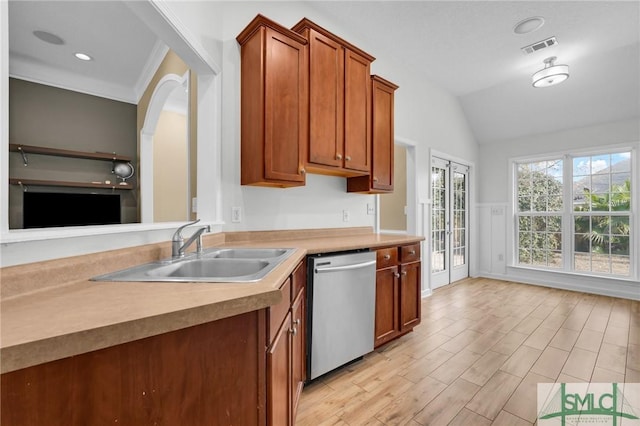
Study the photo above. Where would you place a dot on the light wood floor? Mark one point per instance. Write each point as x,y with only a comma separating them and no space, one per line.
482,347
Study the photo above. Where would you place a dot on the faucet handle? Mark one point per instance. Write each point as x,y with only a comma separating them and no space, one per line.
177,236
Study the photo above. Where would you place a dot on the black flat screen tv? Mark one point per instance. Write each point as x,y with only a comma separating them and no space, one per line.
52,209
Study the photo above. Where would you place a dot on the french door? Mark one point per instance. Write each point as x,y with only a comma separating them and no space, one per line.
449,222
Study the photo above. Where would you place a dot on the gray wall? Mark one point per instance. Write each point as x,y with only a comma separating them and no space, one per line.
56,118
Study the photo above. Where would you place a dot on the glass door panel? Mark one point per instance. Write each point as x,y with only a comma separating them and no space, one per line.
449,222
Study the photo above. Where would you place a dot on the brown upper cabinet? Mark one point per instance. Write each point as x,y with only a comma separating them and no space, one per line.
274,104
339,104
381,178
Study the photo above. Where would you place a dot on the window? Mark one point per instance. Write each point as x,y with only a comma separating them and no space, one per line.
573,213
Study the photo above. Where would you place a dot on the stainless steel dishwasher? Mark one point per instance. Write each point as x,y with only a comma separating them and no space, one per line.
341,314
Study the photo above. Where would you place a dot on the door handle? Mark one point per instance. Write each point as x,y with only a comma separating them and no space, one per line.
345,267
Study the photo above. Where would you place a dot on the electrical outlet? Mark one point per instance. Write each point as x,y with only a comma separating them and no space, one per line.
194,205
345,215
236,214
371,210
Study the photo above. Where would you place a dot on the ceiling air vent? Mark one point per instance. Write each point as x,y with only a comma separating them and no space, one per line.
539,45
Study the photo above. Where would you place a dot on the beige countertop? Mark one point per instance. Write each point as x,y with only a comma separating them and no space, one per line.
51,310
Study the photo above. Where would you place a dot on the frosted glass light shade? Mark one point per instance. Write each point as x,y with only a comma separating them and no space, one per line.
550,76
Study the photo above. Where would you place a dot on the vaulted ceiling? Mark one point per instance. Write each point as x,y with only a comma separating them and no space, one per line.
470,49
467,47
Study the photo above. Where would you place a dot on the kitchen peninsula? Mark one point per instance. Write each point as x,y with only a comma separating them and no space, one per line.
115,339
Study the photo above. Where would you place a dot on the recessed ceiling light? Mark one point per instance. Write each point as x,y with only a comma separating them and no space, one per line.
83,56
528,25
48,37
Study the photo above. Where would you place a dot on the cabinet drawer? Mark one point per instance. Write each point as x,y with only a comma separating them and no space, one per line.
410,253
277,313
386,257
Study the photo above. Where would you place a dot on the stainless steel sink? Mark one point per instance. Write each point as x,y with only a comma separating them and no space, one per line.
210,268
249,253
235,265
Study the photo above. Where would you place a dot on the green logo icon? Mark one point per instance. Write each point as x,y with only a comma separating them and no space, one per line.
587,403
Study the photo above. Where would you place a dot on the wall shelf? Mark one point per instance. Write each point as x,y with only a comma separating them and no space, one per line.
30,149
37,182
103,156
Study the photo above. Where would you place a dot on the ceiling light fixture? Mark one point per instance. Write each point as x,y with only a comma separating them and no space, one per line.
83,56
529,25
551,74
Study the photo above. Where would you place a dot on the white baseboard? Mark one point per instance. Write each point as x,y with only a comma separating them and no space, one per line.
593,285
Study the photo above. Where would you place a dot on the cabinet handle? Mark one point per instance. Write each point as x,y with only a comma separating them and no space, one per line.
387,256
347,158
375,179
296,322
338,156
302,170
412,252
396,275
293,331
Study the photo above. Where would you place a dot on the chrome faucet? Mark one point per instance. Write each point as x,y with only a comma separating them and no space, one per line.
178,246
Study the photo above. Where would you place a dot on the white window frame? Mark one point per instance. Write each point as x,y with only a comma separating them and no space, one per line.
568,214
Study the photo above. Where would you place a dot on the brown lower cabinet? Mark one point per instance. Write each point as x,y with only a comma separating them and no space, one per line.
286,351
219,373
204,375
398,292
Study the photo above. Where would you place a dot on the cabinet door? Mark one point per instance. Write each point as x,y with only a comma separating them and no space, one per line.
383,137
208,374
279,377
285,108
326,91
410,300
357,112
386,305
298,351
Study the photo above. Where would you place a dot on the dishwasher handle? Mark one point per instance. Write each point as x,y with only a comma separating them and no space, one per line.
345,267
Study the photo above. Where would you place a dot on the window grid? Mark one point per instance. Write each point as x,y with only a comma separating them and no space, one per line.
601,213
540,205
438,218
459,220
597,208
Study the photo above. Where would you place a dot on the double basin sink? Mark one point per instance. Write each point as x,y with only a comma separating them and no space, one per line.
233,265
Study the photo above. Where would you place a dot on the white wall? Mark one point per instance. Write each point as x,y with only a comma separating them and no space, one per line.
494,158
494,213
425,114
